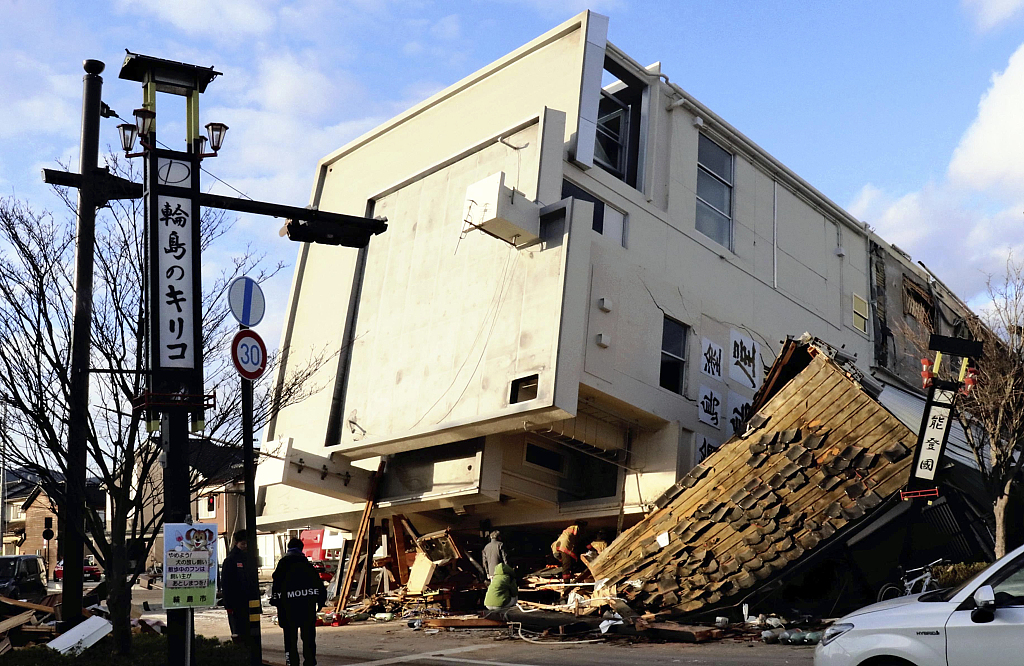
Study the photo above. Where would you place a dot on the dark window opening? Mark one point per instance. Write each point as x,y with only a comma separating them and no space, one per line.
546,458
607,220
673,355
524,388
619,119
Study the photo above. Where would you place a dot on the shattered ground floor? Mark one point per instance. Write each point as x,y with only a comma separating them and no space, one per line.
799,518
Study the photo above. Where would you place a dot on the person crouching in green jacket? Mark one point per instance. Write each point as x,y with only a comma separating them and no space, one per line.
504,591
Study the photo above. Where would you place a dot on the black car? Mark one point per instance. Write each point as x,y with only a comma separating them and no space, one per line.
22,577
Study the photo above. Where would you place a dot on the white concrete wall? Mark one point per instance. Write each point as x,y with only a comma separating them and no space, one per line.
446,323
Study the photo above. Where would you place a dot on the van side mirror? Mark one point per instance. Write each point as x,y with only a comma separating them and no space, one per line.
985,602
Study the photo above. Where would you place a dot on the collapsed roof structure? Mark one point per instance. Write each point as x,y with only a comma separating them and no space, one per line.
819,458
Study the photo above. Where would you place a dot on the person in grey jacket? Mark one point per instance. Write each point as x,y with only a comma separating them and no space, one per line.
494,554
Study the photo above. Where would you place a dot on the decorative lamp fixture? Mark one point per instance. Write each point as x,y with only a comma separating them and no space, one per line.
128,133
216,132
144,120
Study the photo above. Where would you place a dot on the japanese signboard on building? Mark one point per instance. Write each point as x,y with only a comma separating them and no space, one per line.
705,447
709,407
190,565
711,358
739,412
745,364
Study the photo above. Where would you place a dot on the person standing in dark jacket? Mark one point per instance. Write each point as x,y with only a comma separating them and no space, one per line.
298,594
494,554
236,591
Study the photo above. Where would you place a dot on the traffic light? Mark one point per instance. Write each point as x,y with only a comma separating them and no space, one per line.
211,503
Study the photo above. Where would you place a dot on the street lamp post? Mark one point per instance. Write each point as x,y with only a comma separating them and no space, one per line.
174,367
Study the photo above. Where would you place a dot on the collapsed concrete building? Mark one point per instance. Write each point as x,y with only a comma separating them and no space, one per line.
586,276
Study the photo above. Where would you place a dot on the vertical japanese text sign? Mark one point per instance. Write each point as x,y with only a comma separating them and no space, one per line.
931,439
175,288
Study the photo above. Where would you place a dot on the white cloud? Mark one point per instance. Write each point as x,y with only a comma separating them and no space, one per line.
219,18
989,156
964,227
990,13
447,29
37,100
564,9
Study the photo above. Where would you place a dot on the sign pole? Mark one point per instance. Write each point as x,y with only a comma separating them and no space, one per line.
176,510
252,554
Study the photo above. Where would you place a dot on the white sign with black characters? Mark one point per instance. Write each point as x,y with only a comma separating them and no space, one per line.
740,411
935,428
705,447
745,366
709,407
711,358
174,265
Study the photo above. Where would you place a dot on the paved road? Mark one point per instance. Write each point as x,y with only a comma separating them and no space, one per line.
383,644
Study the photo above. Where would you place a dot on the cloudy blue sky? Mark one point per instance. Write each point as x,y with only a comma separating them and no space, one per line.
910,114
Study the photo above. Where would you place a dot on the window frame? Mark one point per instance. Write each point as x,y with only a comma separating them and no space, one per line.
635,87
857,315
673,355
731,184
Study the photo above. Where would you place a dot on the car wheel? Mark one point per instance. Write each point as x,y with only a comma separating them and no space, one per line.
890,592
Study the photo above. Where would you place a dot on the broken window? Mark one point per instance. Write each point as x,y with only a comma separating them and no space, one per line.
620,120
917,302
673,355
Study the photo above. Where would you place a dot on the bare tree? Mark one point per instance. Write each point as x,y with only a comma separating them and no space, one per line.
992,413
37,292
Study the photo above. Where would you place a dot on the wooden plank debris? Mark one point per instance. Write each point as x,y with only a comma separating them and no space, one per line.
683,633
24,604
420,574
463,623
16,621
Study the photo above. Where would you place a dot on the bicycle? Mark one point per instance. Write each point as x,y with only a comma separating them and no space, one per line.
910,585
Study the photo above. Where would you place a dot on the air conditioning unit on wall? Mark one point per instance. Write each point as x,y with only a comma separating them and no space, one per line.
501,211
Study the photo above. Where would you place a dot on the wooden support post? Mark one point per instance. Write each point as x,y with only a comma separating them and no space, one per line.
361,534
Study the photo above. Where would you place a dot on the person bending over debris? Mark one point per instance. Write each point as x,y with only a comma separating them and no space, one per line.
564,549
298,594
237,591
494,554
503,591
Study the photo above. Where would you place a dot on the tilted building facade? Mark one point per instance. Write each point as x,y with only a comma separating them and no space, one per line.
586,273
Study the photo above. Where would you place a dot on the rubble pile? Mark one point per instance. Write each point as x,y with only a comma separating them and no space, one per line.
24,623
818,455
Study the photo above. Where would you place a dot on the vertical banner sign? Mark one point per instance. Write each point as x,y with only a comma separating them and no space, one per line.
174,275
190,565
175,293
932,437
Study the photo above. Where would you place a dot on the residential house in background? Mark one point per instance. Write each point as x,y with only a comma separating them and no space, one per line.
585,276
28,513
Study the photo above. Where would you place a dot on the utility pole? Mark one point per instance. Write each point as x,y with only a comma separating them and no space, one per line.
81,341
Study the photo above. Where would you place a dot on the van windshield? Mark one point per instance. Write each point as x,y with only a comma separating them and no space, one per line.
8,567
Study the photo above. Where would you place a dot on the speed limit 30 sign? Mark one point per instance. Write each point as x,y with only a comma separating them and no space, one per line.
249,354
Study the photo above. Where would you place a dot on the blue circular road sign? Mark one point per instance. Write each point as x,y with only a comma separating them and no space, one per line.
245,298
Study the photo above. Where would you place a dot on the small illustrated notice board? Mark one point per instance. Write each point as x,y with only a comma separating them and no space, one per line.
190,565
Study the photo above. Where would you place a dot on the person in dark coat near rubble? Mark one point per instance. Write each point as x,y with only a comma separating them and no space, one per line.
494,554
298,594
237,590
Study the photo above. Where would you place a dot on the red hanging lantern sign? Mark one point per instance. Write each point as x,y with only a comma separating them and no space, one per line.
926,372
